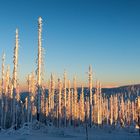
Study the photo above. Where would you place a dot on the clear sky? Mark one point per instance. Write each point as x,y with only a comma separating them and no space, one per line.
76,33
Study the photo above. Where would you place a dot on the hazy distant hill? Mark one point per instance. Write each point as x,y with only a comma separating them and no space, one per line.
129,91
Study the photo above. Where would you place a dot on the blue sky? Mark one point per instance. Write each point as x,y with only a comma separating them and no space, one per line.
76,33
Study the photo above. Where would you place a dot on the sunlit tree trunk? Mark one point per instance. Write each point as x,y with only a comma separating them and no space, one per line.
52,91
59,102
82,106
39,90
65,99
15,79
111,110
7,84
90,92
75,101
2,91
29,100
69,112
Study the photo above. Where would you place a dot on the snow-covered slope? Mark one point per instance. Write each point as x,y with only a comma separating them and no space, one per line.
41,132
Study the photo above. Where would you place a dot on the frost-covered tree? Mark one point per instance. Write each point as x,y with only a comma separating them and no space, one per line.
65,99
52,91
15,61
82,106
75,97
2,90
39,86
59,102
69,107
111,110
90,92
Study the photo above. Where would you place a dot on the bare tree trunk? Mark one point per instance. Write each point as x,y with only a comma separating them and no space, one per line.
86,123
59,102
15,78
139,124
39,68
90,90
65,98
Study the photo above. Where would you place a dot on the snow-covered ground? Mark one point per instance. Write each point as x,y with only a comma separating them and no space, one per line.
52,133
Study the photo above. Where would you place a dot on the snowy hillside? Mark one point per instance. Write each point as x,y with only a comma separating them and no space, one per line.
51,133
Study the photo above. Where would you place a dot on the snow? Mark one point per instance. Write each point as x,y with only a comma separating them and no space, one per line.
41,132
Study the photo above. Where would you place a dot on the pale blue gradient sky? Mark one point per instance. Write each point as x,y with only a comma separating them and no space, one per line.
76,33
